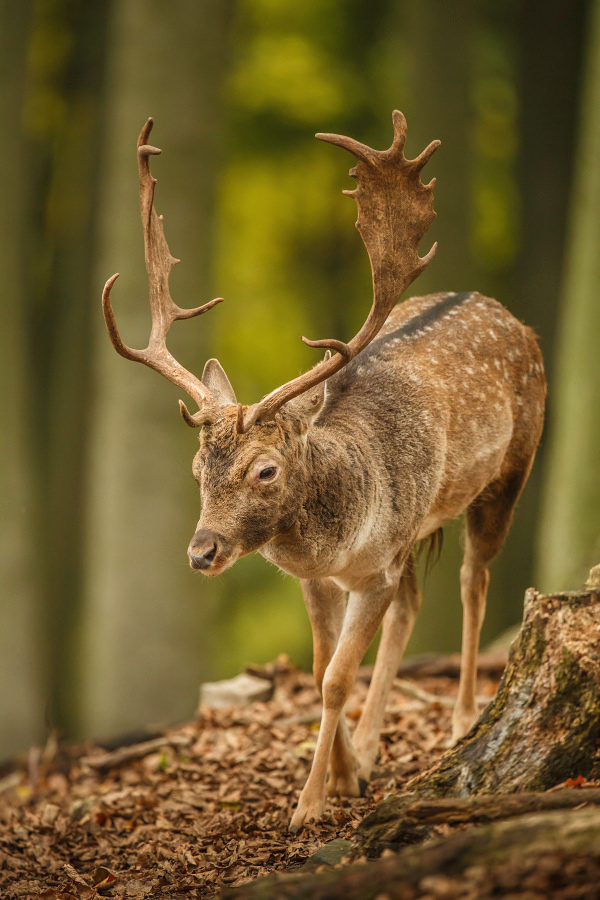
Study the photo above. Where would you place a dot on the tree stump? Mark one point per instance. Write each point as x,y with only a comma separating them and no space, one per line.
542,729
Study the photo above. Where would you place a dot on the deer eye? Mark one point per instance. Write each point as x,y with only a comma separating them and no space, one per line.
268,473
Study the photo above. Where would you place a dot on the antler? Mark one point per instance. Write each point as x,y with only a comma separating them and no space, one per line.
395,209
159,263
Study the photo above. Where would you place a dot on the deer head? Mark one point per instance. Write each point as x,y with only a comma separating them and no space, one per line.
251,466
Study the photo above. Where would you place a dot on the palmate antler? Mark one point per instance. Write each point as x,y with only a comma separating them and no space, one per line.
395,209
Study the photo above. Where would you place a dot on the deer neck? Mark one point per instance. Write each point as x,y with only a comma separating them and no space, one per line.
337,498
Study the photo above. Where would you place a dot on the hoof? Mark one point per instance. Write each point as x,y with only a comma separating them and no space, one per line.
362,786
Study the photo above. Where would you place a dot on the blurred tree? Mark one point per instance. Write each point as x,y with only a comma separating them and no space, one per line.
148,641
569,536
547,40
21,699
550,37
57,76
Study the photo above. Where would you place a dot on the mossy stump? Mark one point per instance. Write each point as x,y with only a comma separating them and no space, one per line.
543,726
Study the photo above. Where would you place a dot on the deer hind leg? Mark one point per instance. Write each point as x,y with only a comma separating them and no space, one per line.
397,627
326,606
488,521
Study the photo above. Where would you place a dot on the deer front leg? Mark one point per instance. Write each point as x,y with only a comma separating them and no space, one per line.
397,627
364,613
326,606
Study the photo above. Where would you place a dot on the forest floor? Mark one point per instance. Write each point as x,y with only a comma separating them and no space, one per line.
205,806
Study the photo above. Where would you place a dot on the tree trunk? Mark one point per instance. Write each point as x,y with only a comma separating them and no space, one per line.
21,706
541,32
54,60
145,645
569,537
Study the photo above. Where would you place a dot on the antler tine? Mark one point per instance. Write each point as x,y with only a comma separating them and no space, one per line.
395,209
364,152
164,310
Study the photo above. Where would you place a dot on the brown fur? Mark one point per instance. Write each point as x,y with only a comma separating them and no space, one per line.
442,413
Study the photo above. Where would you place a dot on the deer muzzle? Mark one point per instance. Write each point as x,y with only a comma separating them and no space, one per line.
209,552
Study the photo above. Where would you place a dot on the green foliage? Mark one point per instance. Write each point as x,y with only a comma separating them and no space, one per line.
495,234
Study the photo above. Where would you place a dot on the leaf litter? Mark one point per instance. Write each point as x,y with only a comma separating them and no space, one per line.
204,806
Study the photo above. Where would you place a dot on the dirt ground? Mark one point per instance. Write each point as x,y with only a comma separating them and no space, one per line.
207,809
206,805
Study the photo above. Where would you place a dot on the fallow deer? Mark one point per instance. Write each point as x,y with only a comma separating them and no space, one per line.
433,408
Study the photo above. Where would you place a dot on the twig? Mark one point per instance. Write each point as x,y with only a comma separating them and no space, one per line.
416,693
487,808
135,751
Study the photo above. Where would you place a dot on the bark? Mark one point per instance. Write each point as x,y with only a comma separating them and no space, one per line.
500,855
544,724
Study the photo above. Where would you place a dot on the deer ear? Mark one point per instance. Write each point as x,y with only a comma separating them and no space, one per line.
309,404
215,379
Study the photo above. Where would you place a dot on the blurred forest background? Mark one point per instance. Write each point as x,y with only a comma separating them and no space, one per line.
103,626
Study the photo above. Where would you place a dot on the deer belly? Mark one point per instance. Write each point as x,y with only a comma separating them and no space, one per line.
459,490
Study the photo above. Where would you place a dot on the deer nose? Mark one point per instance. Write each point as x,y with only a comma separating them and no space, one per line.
203,548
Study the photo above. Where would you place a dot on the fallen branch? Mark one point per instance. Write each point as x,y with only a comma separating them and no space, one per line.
434,665
426,697
500,854
135,751
404,818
